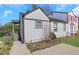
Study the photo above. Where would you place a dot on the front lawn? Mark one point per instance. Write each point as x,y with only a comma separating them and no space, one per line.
74,41
6,43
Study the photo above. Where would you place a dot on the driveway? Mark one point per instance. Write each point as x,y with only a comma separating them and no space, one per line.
61,49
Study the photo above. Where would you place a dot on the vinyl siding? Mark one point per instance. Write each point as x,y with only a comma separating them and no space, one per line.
60,29
35,35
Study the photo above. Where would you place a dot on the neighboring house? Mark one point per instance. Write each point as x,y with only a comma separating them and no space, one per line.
35,26
73,24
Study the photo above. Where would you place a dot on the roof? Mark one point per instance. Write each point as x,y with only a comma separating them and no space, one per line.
15,21
57,20
58,12
50,18
74,14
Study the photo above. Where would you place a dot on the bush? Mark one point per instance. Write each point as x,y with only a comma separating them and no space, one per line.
30,47
77,33
52,36
6,45
1,34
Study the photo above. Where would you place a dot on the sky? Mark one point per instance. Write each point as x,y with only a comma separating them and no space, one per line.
8,12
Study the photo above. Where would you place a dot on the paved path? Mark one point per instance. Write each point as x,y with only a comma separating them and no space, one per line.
19,49
61,49
16,36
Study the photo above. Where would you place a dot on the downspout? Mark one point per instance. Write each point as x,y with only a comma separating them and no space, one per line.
67,24
13,32
22,27
78,24
23,30
49,28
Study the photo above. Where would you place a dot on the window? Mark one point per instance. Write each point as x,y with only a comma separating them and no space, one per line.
64,27
38,25
71,27
74,28
55,26
69,18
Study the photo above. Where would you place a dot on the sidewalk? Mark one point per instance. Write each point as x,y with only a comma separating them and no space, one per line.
19,49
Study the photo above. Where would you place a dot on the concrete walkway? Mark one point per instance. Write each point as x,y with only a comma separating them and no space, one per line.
19,49
61,49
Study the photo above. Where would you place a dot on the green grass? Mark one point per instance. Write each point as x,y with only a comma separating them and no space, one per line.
6,44
1,38
74,41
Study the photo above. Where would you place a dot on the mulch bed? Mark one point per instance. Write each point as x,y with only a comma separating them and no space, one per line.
46,43
43,44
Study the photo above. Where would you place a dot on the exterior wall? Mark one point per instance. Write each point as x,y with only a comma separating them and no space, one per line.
72,20
32,34
35,35
60,32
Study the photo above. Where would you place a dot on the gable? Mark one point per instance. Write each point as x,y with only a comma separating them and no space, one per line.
72,18
37,14
71,13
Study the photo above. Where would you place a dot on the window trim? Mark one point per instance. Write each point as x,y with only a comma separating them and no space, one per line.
64,27
55,26
38,24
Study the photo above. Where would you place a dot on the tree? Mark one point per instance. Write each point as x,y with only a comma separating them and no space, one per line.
0,27
34,6
8,27
28,11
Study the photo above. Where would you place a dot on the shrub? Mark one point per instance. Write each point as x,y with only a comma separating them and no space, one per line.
52,36
30,47
77,33
6,45
1,34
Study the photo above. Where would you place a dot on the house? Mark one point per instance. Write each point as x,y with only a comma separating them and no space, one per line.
36,25
58,23
73,24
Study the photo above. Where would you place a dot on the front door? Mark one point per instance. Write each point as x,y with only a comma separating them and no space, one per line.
72,29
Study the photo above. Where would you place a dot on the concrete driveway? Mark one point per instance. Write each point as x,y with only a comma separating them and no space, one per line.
61,49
